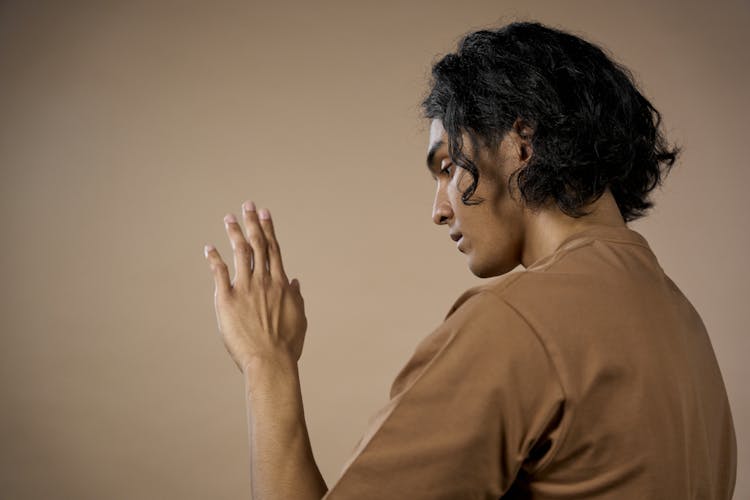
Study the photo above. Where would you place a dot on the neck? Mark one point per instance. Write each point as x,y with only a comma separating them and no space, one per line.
548,227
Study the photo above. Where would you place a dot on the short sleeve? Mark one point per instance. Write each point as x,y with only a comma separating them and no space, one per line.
474,403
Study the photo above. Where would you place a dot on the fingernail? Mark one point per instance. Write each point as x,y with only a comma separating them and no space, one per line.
248,206
207,249
263,213
230,218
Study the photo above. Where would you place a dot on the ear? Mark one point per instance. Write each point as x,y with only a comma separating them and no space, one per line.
524,133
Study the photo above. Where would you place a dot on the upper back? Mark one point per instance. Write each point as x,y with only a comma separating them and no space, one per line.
646,410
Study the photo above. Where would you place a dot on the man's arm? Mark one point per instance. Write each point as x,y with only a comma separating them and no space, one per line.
261,316
478,400
281,459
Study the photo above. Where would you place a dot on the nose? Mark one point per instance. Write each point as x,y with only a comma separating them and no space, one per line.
441,208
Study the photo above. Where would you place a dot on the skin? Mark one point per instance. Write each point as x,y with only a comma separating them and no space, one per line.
261,316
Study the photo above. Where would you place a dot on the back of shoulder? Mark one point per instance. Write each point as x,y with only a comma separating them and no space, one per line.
480,328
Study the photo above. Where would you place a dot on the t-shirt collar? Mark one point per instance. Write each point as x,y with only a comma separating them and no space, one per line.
618,233
597,232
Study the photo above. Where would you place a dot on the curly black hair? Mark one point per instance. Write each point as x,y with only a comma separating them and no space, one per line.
592,127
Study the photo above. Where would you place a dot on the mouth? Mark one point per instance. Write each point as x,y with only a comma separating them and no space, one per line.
458,238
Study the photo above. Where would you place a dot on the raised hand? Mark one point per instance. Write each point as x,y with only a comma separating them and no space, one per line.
260,313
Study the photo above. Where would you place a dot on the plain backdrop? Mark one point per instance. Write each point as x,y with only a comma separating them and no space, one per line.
129,129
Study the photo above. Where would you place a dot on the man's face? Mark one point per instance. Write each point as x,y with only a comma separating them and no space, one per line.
492,232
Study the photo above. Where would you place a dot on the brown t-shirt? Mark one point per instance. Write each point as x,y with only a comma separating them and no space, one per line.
586,375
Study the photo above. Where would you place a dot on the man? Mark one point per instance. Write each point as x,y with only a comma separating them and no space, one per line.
586,375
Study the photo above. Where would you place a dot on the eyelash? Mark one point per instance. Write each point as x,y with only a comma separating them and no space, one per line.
446,168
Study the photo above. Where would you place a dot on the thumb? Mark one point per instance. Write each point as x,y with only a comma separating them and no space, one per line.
295,286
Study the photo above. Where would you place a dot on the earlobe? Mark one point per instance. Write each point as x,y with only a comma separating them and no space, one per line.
525,151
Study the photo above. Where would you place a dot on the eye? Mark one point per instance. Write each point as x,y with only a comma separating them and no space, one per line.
446,170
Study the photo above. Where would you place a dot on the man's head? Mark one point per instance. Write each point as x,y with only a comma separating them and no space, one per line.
533,118
490,230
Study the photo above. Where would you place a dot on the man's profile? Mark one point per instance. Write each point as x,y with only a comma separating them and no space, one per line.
586,375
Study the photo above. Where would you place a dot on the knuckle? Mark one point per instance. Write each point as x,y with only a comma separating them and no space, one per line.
242,247
258,240
241,287
282,282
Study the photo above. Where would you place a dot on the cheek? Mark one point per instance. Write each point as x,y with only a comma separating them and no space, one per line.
463,180
454,195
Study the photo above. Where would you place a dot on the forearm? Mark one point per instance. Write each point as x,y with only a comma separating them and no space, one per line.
281,459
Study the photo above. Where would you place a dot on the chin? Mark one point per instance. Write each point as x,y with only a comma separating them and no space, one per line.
484,269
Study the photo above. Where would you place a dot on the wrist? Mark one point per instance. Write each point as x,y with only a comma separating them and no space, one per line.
272,387
262,365
273,375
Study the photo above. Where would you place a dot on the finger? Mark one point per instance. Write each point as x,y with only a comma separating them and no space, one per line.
299,292
275,263
242,250
296,287
257,241
218,268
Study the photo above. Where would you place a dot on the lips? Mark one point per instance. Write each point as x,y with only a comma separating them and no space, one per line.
455,236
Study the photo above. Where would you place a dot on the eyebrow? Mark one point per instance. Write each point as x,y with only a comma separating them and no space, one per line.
431,153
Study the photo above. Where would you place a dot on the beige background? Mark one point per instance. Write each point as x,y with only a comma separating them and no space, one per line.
128,130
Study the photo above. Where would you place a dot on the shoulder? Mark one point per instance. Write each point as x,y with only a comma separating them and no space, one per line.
482,329
480,296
